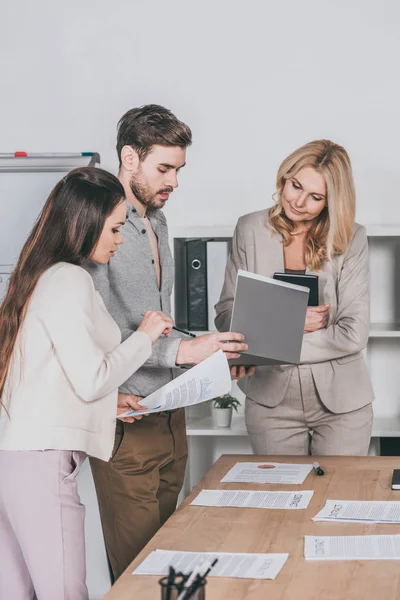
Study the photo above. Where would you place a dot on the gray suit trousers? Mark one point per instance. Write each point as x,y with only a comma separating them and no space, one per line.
302,425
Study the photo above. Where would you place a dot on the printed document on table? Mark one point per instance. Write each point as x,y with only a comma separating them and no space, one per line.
266,472
352,547
253,499
205,381
359,511
246,566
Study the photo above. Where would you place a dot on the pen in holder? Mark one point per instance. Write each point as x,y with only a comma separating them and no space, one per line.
174,590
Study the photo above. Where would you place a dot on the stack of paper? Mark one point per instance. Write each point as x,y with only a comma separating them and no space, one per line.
252,472
352,547
355,511
253,499
242,565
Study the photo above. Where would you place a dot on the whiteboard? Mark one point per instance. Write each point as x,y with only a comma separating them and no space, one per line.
25,185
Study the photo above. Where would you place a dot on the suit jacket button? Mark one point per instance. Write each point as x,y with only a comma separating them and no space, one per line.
143,231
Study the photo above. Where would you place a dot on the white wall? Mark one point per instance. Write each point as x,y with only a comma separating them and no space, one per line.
253,79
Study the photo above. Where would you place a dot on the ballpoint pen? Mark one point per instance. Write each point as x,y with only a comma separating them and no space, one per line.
181,330
192,592
214,562
200,579
188,583
317,469
184,332
171,578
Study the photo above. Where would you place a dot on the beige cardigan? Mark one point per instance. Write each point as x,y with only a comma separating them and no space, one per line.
334,353
67,365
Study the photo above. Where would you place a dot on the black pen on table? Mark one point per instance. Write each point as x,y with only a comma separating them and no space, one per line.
317,469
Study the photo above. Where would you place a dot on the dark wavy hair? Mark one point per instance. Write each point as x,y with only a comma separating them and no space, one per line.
67,230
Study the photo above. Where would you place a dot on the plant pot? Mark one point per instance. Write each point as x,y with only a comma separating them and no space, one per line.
223,416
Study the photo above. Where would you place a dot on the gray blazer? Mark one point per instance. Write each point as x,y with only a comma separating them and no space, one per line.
335,352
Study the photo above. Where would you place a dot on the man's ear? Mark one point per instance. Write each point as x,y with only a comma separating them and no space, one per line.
129,158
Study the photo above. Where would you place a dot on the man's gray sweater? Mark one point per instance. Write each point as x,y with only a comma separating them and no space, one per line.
128,286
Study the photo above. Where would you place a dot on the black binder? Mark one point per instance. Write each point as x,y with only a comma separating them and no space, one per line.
196,277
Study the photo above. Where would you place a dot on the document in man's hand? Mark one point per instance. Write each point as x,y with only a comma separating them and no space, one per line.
207,380
271,315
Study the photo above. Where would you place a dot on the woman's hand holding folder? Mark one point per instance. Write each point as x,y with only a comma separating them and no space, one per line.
238,372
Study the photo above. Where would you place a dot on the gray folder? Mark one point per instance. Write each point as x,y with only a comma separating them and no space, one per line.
271,315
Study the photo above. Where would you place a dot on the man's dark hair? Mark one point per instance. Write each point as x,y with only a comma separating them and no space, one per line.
150,125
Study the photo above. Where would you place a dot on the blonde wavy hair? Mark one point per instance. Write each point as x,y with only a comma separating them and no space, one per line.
330,232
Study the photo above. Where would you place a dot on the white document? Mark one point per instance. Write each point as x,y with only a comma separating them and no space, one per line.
359,511
246,566
352,547
205,381
253,499
252,472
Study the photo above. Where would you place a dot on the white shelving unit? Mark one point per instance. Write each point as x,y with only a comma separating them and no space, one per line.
207,442
383,350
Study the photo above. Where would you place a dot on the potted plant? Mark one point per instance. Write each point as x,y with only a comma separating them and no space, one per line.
223,409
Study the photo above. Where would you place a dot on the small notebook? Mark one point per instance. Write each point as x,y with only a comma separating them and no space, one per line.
271,314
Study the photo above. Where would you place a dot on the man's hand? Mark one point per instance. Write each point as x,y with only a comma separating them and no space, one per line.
129,402
238,372
192,352
317,318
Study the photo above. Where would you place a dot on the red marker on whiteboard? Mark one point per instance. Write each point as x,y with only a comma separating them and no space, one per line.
21,154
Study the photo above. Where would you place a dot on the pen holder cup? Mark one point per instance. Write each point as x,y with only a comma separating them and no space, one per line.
173,591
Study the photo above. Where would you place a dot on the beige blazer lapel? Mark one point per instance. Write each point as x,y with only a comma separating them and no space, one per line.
269,256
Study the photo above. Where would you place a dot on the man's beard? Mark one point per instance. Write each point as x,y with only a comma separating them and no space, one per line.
146,197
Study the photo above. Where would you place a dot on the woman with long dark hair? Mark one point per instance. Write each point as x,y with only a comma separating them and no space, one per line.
61,362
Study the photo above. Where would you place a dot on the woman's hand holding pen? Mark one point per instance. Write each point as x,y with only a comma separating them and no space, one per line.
317,318
155,323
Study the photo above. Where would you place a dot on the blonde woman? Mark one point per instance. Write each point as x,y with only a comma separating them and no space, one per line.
323,405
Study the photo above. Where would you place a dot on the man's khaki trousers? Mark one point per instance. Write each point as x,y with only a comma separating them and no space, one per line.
138,488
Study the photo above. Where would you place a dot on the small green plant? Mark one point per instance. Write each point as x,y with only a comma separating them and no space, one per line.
226,401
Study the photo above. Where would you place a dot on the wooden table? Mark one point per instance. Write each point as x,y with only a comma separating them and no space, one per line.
197,528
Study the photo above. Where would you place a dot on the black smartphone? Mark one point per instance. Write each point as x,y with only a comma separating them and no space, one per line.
310,281
396,479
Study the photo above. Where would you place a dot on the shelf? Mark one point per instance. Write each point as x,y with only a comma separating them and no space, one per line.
382,427
202,231
383,230
375,230
205,426
386,427
378,330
